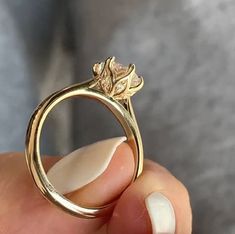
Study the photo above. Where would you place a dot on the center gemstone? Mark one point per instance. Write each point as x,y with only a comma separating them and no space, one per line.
116,80
121,69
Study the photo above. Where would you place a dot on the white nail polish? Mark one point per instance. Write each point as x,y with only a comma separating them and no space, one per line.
82,166
161,214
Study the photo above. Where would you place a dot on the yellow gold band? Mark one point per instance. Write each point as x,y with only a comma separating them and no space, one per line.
122,109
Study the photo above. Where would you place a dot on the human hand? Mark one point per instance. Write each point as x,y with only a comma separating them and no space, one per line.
149,205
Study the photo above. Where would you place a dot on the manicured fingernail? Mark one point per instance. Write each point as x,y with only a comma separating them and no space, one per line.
161,214
82,166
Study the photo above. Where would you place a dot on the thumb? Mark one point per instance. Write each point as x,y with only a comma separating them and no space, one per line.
155,203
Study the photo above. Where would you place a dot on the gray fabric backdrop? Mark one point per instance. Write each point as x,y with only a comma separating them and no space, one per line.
185,49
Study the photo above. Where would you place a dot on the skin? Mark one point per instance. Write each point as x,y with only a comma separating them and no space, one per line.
23,210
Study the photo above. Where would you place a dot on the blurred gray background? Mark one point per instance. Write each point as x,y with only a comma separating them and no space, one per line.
185,49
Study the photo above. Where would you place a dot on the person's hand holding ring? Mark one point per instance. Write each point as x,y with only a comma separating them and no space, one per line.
155,203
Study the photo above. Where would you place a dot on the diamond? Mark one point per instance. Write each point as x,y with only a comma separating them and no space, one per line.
115,79
120,87
136,80
121,69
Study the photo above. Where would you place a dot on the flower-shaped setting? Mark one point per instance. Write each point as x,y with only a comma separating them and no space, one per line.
116,80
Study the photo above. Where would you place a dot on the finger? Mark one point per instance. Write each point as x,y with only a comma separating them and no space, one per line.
71,174
111,183
21,201
151,204
23,209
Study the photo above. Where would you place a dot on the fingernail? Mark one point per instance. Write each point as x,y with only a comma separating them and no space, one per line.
82,166
161,214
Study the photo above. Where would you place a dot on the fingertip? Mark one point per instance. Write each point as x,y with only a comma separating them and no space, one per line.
154,203
130,215
111,183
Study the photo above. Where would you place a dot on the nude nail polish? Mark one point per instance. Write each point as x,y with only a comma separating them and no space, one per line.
82,166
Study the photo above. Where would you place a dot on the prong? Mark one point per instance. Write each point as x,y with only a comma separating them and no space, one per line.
112,58
97,69
134,89
132,66
110,62
131,69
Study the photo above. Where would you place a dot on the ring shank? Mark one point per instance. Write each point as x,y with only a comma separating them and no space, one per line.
32,150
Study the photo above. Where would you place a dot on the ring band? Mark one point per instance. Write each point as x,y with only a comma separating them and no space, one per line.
112,85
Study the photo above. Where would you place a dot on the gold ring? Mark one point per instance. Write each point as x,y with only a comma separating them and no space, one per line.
113,84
